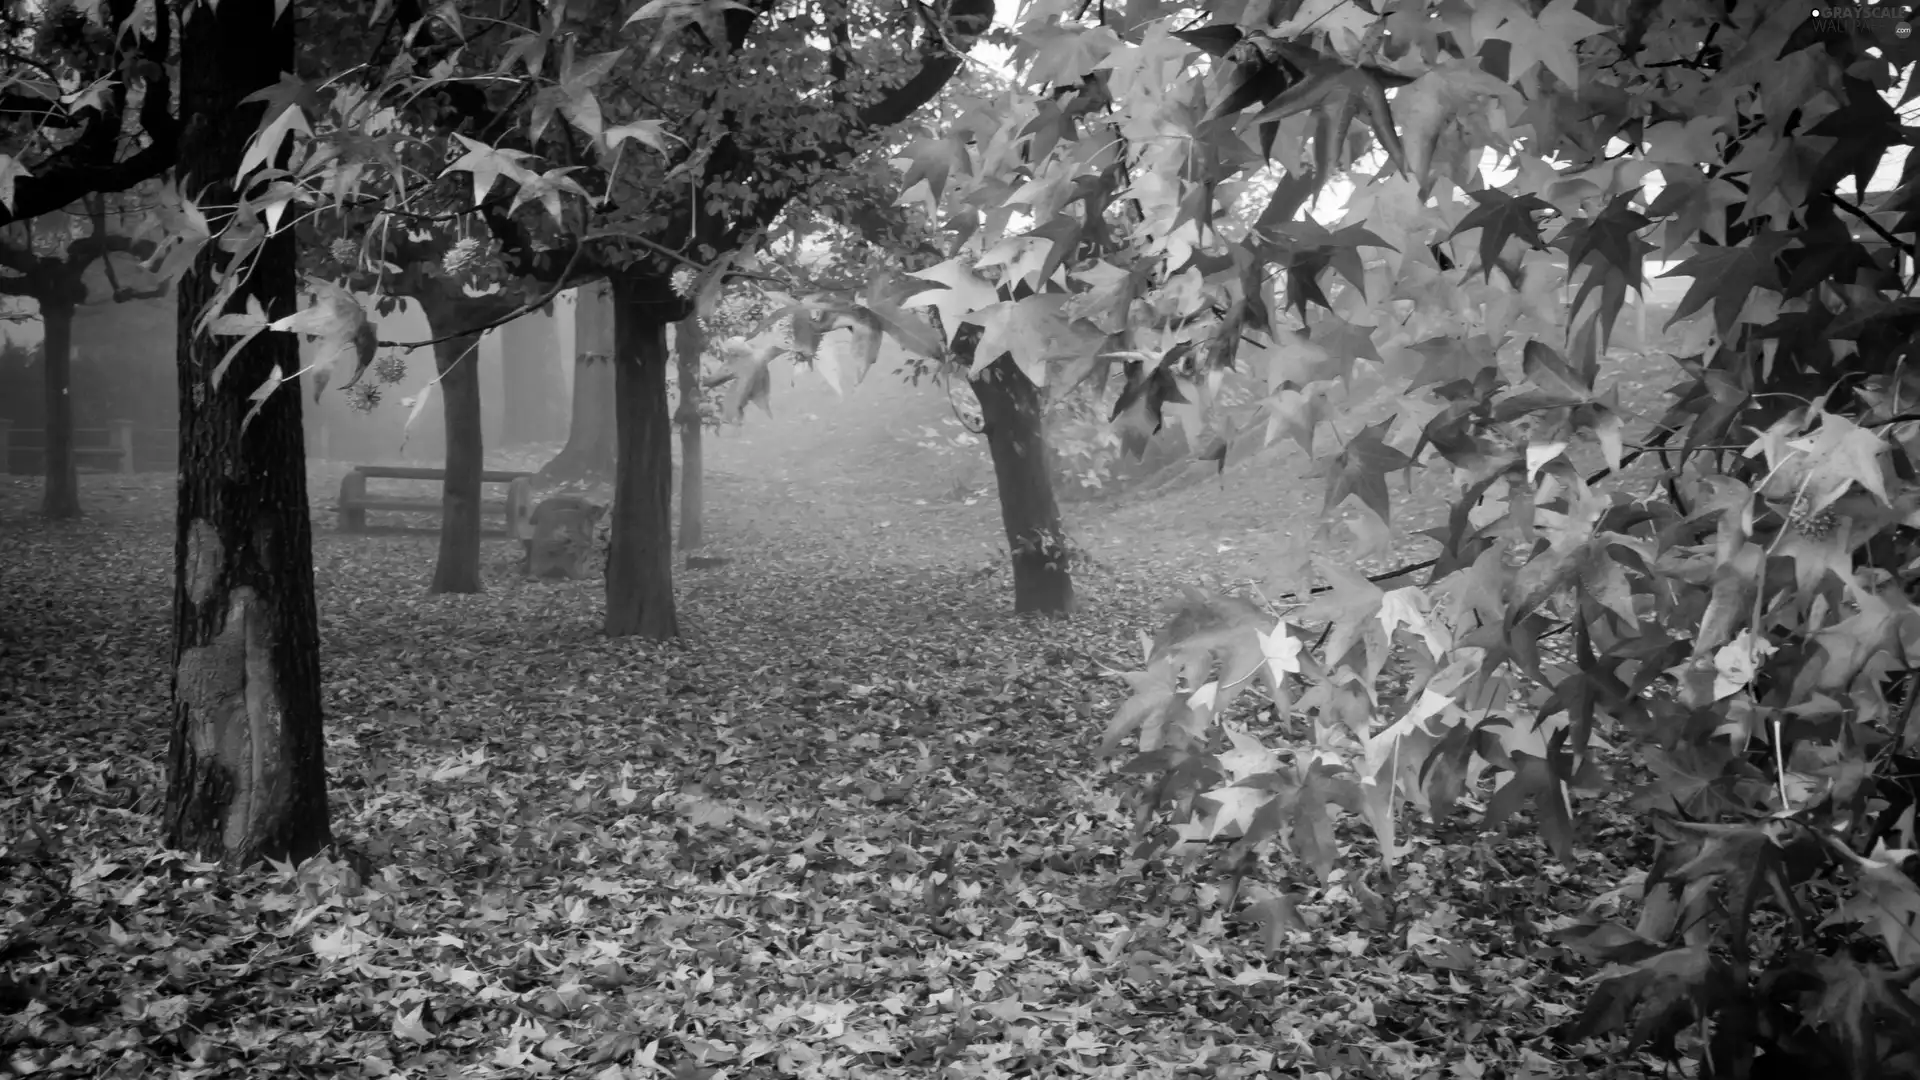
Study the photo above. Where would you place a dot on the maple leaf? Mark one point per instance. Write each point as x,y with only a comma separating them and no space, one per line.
1137,412
1836,457
911,331
1863,130
1827,251
1361,469
1860,1001
573,97
746,368
338,322
1455,432
674,15
1535,780
1108,296
11,173
1152,700
1696,204
962,293
1063,236
409,1026
863,347
1610,236
1307,248
1546,40
1296,414
488,164
1615,256
1258,80
1726,275
1449,359
1344,340
1336,94
1064,55
934,160
651,133
547,187
1500,217
1665,991
289,103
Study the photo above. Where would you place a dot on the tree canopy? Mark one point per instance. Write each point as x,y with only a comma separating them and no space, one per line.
1441,208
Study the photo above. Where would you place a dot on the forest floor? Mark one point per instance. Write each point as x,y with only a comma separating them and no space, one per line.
853,825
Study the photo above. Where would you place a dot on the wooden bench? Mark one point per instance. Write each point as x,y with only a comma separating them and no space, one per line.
110,449
355,502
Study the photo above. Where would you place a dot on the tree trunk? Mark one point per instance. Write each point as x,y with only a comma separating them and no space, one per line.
530,407
591,440
246,777
690,342
458,362
640,562
1012,410
61,496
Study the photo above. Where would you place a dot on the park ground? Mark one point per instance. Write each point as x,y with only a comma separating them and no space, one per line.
853,825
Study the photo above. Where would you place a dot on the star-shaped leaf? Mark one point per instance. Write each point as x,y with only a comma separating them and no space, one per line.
488,164
1361,469
1452,358
573,97
1344,340
934,160
1726,275
1500,217
1336,93
1696,205
1547,39
963,292
547,188
1863,130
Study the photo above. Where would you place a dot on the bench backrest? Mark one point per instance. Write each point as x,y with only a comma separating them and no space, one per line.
415,472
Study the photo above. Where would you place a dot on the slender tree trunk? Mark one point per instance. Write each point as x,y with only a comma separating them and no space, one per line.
689,342
458,362
61,496
246,777
591,440
640,563
530,407
1012,410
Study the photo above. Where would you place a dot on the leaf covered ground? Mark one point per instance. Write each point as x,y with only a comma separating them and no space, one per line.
853,826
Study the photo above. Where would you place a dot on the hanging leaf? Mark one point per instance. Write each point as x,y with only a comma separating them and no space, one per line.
339,324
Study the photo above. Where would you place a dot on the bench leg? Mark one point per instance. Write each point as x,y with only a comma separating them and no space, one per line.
353,491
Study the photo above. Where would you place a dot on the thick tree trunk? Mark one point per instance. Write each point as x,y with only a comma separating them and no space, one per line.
640,562
1012,410
529,380
591,440
458,362
246,777
689,343
61,496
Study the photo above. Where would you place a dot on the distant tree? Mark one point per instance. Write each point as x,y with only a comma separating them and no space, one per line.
589,450
461,291
46,259
531,402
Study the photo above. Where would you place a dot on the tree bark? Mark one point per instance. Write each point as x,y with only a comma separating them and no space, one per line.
689,343
530,407
457,360
1011,407
61,495
591,440
640,561
246,777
